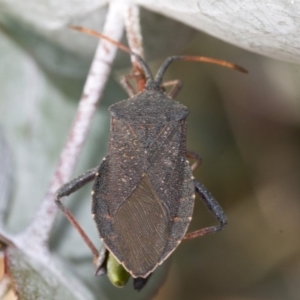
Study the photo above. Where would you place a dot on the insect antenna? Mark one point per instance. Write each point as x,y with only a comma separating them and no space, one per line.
169,60
147,72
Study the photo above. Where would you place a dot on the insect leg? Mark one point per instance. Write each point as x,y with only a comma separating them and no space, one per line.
196,157
127,85
70,188
139,282
213,207
176,87
102,262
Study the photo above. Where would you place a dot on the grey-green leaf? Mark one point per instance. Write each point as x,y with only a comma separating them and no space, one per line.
34,280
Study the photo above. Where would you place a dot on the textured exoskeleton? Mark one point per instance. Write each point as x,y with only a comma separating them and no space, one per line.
144,190
144,194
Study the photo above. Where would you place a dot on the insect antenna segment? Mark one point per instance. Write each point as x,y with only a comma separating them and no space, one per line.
169,60
157,81
146,69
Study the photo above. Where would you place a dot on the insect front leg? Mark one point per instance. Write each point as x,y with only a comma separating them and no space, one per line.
68,189
127,85
196,157
176,87
214,207
140,83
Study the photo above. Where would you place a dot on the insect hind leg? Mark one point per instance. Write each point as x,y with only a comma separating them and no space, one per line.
214,207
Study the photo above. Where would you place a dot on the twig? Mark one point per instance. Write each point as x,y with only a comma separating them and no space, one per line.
135,41
4,286
133,30
39,230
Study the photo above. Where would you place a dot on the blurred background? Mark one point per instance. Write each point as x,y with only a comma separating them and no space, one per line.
245,127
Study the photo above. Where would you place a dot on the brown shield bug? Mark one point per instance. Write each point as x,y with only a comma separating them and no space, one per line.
144,190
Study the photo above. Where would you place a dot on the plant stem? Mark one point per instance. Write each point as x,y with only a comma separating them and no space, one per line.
133,31
135,41
39,230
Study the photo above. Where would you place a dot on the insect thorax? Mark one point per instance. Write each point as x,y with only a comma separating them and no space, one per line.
149,107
